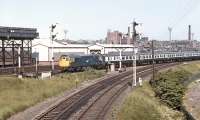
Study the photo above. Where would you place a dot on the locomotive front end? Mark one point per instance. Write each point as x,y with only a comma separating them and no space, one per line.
64,62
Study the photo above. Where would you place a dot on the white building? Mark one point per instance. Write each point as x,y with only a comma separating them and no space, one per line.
42,48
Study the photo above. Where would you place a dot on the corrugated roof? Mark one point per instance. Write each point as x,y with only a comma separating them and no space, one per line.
47,42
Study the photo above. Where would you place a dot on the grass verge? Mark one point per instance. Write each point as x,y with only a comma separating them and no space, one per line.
19,94
142,105
170,86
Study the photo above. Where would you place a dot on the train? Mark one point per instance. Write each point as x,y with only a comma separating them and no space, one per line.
81,62
75,63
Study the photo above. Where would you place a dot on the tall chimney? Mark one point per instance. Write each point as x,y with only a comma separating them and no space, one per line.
189,32
129,32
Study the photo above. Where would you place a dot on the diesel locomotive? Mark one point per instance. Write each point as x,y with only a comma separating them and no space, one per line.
79,63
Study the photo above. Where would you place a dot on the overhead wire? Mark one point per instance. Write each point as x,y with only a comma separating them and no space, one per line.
188,8
183,6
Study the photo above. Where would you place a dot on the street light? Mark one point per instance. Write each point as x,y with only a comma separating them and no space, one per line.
134,83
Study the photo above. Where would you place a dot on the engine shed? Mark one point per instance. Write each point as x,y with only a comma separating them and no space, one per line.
13,40
42,49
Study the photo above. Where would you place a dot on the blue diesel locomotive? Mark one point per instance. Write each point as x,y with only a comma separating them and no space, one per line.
79,63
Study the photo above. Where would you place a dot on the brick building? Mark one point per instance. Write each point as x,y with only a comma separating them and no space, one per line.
114,37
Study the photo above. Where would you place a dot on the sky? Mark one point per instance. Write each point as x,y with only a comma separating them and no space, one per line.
90,19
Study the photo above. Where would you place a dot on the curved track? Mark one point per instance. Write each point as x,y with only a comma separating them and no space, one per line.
107,90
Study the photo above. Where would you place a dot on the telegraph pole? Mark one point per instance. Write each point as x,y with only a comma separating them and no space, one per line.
134,35
153,64
19,62
120,55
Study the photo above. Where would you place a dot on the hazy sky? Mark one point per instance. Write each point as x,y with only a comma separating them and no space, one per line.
90,19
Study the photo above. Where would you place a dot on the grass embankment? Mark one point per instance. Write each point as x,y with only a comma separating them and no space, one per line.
19,94
143,105
162,100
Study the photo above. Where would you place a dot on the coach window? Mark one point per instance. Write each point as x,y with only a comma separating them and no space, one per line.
128,57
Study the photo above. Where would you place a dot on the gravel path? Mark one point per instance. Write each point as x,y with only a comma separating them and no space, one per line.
192,99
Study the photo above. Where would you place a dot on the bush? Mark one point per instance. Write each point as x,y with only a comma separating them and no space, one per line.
170,87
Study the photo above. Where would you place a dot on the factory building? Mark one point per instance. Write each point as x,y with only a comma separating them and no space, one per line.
116,37
42,49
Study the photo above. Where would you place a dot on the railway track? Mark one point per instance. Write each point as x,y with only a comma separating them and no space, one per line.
105,91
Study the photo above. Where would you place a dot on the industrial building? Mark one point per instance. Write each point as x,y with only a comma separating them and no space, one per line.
42,49
16,45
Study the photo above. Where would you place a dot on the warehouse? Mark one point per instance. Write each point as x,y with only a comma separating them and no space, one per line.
42,49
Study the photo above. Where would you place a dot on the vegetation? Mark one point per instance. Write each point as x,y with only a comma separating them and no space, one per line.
18,94
142,105
169,86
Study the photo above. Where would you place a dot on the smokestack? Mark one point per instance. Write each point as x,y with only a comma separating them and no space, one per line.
129,31
189,32
170,33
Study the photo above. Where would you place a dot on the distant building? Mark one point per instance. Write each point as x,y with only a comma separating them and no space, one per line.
42,49
114,37
144,39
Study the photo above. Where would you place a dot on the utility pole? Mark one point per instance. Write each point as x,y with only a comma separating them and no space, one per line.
36,67
19,62
52,45
120,57
135,50
153,62
170,33
120,54
134,82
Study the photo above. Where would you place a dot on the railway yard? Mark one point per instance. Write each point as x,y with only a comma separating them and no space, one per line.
81,103
63,67
77,87
91,99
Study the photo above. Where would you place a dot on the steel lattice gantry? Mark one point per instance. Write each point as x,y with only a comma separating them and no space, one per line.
11,40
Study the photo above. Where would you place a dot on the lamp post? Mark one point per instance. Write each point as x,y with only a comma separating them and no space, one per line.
134,83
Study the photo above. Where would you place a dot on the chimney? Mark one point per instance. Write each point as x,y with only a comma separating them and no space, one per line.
189,32
129,31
